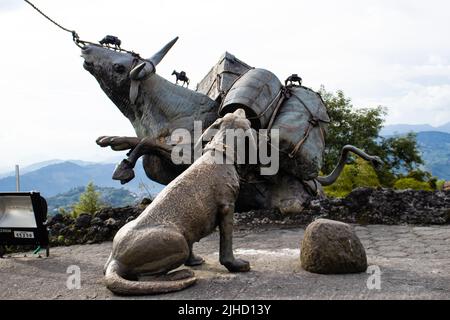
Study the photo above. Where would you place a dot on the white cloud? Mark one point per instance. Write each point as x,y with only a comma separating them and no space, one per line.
380,52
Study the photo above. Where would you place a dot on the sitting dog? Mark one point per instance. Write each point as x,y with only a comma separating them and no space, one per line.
188,209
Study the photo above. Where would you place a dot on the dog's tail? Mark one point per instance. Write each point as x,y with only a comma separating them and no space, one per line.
174,281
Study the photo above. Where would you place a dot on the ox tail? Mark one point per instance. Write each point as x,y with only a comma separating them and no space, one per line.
330,179
174,281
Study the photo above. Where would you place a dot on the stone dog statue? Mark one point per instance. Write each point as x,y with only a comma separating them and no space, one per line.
188,209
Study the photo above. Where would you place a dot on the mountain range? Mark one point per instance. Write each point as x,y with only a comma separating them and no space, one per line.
435,148
393,129
61,177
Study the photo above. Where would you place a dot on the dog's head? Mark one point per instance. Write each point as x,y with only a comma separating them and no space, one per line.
232,126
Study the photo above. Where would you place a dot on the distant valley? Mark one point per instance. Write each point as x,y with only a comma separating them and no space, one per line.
393,129
112,197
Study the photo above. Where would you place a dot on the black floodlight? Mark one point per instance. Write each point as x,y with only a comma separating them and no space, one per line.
22,220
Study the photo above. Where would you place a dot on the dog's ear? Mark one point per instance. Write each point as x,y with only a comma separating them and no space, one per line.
240,113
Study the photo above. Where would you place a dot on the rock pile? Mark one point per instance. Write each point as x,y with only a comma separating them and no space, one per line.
365,206
87,228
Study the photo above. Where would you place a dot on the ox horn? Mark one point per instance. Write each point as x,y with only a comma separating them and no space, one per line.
157,57
139,72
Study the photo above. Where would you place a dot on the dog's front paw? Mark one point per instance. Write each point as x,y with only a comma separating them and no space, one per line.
238,265
194,261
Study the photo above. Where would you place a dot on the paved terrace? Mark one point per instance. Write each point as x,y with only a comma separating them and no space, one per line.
414,261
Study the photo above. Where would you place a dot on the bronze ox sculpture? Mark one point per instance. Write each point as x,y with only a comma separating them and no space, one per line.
156,107
204,195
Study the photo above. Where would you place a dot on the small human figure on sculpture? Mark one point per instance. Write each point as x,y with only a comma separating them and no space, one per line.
293,78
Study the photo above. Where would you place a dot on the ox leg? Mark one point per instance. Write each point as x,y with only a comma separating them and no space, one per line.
118,143
227,258
124,171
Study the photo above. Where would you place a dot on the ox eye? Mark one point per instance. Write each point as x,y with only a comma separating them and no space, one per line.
120,68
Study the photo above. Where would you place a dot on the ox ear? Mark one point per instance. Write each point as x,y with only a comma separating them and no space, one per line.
157,57
141,71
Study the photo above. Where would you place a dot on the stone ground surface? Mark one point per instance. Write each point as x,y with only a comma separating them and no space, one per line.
414,261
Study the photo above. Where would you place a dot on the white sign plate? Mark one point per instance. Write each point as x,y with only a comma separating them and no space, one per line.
23,234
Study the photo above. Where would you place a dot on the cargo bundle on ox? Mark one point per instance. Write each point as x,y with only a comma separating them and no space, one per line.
298,113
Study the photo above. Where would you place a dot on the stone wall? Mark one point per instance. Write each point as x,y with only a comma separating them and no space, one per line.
363,206
366,206
87,228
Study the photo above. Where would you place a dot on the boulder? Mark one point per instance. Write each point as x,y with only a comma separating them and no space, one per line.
332,247
96,221
145,202
111,222
83,220
57,218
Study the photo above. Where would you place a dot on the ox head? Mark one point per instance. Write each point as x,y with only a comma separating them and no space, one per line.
117,71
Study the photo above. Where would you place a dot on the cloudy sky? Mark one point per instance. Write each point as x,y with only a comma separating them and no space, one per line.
384,52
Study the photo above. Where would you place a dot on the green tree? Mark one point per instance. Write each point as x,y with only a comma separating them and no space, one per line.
440,185
361,128
89,201
358,174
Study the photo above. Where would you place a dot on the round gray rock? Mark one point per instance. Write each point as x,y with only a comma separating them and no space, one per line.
332,247
83,220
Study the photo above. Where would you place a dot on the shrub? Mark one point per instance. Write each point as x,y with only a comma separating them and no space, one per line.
358,174
411,183
89,201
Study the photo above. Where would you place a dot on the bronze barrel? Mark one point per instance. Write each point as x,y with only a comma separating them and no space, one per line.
257,92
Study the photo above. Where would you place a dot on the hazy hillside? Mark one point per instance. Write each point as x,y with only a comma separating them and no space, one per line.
405,128
110,196
62,177
435,147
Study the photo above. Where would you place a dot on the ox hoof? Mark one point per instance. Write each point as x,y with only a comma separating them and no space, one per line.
124,172
238,265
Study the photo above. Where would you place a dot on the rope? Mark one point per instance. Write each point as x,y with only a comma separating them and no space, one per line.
76,38
48,18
